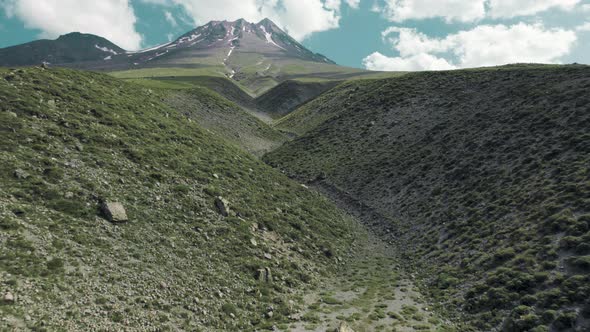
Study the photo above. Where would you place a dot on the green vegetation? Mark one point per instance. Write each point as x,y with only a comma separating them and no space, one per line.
225,119
480,177
70,139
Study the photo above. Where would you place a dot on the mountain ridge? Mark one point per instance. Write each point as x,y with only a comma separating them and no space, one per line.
214,34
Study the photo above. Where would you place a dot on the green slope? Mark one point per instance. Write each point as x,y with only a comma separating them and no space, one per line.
70,139
481,177
226,119
289,95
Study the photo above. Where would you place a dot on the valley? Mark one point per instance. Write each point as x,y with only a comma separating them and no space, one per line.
259,186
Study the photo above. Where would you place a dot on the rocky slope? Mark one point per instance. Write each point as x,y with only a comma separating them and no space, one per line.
481,178
215,240
289,95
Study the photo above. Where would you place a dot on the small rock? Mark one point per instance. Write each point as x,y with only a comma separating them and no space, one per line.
114,212
12,114
222,206
344,328
9,298
69,195
20,174
270,314
253,242
267,256
79,147
215,176
163,285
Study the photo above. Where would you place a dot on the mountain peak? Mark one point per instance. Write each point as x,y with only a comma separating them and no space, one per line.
266,21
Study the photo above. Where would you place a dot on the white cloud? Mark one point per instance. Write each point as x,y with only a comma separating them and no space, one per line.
354,3
422,61
513,8
170,19
112,19
450,10
300,18
485,45
468,10
584,27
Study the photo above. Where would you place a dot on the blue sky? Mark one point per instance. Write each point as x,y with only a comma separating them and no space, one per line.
374,34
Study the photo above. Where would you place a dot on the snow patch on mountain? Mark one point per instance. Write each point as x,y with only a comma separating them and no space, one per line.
149,49
269,37
106,49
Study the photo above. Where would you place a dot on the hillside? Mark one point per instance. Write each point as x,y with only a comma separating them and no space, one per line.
289,95
226,119
71,48
479,176
186,259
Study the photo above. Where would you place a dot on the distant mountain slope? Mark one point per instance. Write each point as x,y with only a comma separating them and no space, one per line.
257,56
480,176
287,96
71,48
226,119
70,140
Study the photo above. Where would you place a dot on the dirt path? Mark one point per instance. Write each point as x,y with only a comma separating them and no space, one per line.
371,291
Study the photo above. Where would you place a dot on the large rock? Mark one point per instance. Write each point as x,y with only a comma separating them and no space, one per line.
114,212
9,298
222,206
344,328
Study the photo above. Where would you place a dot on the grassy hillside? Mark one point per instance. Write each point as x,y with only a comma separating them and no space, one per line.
289,95
226,119
480,176
223,86
256,74
70,140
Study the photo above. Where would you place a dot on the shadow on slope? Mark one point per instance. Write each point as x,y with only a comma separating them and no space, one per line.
485,174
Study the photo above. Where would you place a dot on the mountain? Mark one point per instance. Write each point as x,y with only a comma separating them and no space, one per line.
71,48
480,177
255,56
225,38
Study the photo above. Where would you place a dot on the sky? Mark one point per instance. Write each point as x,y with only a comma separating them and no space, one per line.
389,35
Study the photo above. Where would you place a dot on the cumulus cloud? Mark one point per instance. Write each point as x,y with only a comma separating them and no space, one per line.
485,45
450,10
513,8
416,62
300,18
112,19
467,10
584,27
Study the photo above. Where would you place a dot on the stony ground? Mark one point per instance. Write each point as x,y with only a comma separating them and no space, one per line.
371,292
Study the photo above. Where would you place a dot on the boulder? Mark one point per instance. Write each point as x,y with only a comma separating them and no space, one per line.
344,328
9,298
222,206
114,212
